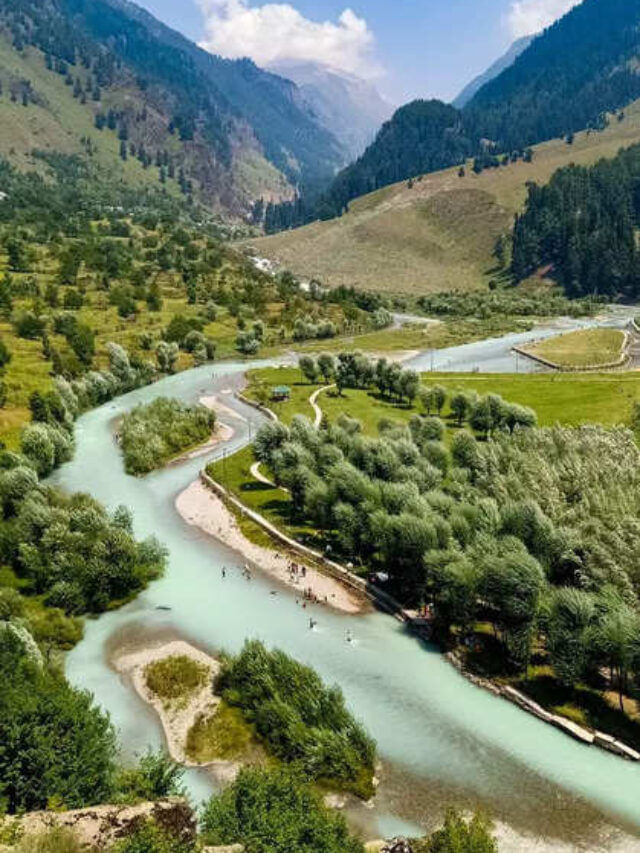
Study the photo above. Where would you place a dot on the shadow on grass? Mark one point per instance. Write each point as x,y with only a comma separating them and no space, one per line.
582,704
257,486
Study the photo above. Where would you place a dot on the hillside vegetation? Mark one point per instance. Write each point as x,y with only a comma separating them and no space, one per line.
568,78
108,76
437,232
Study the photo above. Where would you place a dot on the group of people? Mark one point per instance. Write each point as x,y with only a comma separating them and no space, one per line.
296,572
246,572
308,595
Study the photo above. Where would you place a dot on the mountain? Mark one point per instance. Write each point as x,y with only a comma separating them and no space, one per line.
504,62
578,70
438,232
347,106
228,130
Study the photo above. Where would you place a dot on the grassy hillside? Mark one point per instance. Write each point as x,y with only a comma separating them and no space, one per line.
439,233
53,120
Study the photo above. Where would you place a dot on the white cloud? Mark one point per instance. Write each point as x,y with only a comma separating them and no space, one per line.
532,16
276,32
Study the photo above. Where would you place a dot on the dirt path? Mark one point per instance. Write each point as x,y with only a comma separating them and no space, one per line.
257,474
316,408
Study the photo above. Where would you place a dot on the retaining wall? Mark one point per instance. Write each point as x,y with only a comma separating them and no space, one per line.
265,411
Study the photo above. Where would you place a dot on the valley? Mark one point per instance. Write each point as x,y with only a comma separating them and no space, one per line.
216,613
319,430
438,231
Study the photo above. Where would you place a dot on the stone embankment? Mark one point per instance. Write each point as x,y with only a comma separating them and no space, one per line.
586,736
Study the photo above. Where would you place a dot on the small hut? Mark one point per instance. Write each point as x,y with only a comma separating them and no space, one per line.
281,394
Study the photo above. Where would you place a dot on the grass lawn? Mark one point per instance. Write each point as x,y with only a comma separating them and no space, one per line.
569,399
586,348
235,475
224,735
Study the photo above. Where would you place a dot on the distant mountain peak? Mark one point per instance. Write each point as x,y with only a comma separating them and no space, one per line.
349,107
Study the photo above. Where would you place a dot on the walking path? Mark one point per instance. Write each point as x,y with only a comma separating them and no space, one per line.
316,408
257,474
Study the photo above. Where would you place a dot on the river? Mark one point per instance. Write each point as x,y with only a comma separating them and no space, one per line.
441,739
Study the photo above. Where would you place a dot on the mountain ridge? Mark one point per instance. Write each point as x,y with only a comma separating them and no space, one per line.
501,64
578,69
350,107
233,131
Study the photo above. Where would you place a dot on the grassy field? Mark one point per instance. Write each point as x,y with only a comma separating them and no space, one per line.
586,348
569,399
224,735
423,336
566,399
440,233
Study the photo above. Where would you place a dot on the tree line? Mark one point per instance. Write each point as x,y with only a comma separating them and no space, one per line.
583,225
508,527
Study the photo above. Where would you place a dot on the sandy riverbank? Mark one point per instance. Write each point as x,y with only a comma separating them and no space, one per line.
177,717
202,508
222,432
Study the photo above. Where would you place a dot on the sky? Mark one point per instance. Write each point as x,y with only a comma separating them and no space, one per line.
408,48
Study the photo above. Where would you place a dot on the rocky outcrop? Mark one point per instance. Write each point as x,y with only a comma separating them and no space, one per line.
99,827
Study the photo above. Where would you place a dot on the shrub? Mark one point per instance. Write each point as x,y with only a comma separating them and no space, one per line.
152,433
244,814
175,677
300,718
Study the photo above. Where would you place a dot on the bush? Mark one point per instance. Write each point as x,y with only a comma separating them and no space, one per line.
56,744
300,718
153,433
52,841
244,813
175,677
69,547
155,777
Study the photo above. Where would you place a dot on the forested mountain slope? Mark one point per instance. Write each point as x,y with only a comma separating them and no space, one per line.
439,232
503,62
584,225
583,66
230,131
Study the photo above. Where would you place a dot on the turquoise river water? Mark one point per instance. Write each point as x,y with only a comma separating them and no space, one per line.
441,739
